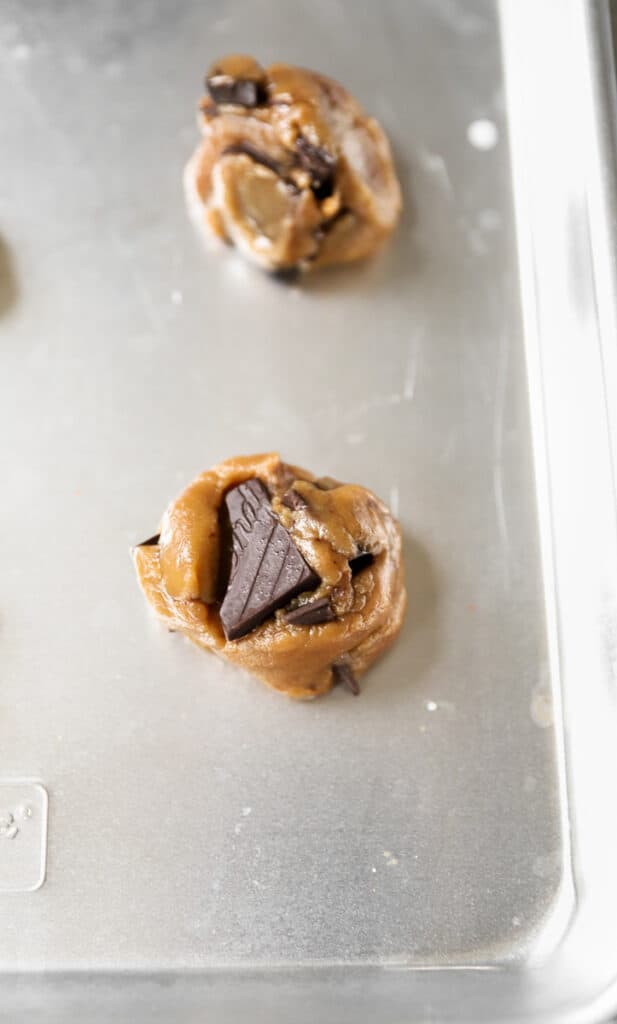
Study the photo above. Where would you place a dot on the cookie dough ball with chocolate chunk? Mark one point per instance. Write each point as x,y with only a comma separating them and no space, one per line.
290,169
298,580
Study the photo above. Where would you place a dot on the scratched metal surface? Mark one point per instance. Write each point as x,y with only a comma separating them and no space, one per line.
196,820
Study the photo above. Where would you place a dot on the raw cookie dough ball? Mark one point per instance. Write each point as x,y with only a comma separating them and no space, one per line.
291,169
296,579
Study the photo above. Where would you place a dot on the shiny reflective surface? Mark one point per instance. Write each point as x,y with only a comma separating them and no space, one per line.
197,821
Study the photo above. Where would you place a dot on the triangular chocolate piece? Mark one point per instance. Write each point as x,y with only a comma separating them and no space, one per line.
267,570
151,542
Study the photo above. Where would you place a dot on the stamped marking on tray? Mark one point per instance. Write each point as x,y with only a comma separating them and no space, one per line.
23,835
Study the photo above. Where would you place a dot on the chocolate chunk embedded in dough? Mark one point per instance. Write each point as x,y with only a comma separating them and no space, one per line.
267,570
150,542
254,153
294,500
360,562
311,614
241,93
237,80
345,677
320,164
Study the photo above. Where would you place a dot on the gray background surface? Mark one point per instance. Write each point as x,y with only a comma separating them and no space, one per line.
196,818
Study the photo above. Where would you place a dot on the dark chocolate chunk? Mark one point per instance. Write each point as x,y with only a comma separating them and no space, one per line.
320,165
344,677
360,562
294,500
311,614
150,542
243,92
267,570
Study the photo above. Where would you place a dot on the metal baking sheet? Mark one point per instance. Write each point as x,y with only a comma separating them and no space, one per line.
444,847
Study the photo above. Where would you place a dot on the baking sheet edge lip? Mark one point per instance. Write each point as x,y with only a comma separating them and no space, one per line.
518,23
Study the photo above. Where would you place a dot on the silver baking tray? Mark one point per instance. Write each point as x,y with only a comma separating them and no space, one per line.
178,843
